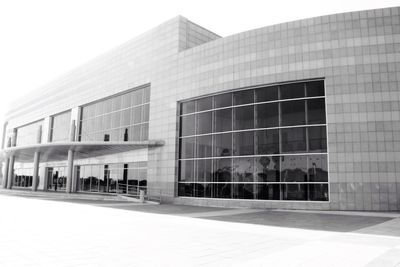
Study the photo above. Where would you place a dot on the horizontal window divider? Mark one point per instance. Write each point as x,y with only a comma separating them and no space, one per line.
262,155
253,103
183,182
117,128
119,110
257,129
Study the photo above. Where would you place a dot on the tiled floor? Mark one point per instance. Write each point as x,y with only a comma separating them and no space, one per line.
36,232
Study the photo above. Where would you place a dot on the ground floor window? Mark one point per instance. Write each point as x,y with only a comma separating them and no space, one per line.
23,177
268,142
56,178
123,178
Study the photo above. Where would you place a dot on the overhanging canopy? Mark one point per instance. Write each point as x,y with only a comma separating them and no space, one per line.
59,151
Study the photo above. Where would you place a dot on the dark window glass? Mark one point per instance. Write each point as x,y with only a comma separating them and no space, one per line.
145,132
204,104
186,190
222,170
187,147
199,190
146,113
243,169
244,118
316,111
224,100
294,168
222,191
293,113
267,94
137,114
244,191
315,88
318,168
146,95
203,146
267,141
243,143
318,192
292,90
243,97
295,192
293,140
186,172
267,115
187,125
222,145
270,191
187,107
204,122
267,169
317,139
223,120
203,170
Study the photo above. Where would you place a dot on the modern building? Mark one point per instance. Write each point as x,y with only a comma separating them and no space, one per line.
299,115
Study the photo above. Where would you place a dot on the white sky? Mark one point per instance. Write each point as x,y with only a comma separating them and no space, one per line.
42,39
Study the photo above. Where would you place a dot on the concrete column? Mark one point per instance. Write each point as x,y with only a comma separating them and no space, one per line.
10,172
70,166
5,173
35,178
36,160
70,171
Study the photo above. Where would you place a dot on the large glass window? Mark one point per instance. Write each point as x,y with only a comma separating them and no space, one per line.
60,127
27,135
120,118
267,143
124,178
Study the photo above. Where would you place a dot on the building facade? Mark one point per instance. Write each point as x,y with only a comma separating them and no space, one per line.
299,115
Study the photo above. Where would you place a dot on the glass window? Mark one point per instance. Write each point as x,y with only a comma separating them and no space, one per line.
60,127
267,115
292,90
223,120
267,94
318,168
222,145
316,111
204,170
317,139
239,149
243,118
187,107
243,143
137,97
243,97
293,113
294,168
293,140
295,192
315,88
204,146
243,169
186,173
318,192
187,125
204,104
27,135
187,147
224,100
267,169
222,170
267,142
204,122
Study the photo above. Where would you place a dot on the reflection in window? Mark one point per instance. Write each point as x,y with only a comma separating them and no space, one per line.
293,140
27,135
255,144
267,142
113,119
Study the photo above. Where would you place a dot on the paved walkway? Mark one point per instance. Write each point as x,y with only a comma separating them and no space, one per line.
38,232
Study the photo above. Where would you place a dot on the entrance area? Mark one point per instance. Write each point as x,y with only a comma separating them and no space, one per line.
56,178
